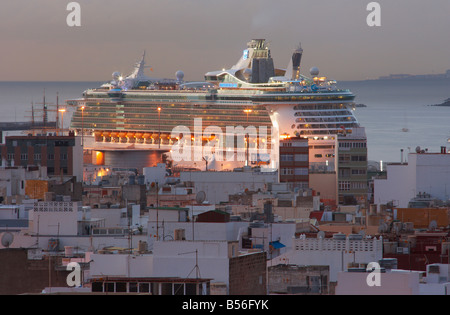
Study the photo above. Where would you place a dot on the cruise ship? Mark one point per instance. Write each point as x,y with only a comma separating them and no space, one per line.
144,114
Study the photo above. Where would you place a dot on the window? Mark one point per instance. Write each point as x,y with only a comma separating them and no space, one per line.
121,287
286,157
178,289
166,288
287,171
24,157
144,287
109,287
301,171
359,172
191,289
63,156
11,156
352,145
301,157
132,287
344,185
344,158
50,157
359,158
359,144
37,156
359,185
97,287
344,172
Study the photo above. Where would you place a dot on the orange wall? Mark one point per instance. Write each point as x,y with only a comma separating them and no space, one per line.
421,218
36,189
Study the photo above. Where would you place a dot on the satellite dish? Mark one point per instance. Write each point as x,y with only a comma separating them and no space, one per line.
433,225
7,239
383,228
200,197
362,233
321,235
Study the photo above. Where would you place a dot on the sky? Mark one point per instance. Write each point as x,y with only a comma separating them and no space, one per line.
197,36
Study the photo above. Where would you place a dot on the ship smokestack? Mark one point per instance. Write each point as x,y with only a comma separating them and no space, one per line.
262,63
296,61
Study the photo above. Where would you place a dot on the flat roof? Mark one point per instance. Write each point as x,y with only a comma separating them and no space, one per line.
150,279
167,208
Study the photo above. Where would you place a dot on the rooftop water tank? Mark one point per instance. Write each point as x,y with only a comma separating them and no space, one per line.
68,251
388,263
339,237
355,237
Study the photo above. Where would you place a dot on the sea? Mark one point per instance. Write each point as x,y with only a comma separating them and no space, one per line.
391,106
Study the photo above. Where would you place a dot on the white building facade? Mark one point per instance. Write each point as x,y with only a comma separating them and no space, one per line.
336,253
424,173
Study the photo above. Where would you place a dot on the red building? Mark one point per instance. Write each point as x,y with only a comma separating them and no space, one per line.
294,162
420,250
214,216
62,155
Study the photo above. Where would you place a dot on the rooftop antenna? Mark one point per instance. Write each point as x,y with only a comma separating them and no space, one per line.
44,108
32,118
196,268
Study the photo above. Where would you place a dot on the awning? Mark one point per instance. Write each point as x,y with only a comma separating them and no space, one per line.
277,245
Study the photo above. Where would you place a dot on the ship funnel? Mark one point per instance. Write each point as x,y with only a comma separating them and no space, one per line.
293,68
296,60
262,68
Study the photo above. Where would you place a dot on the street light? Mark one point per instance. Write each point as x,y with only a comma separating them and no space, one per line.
62,111
247,111
159,127
82,125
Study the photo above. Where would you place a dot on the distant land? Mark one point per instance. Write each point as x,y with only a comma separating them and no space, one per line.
445,75
445,103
